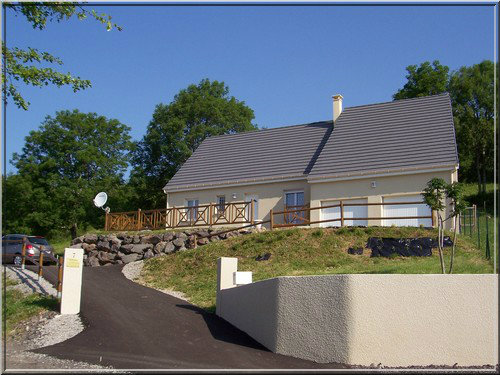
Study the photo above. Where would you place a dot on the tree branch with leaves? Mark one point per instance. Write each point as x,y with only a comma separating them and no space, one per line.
434,195
23,65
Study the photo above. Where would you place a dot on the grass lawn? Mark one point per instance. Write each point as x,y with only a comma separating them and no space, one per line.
471,195
19,306
299,252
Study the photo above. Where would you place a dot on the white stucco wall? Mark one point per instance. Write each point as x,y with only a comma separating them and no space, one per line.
271,196
396,320
388,186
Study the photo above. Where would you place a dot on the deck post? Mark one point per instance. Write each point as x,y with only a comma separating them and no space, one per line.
341,213
40,265
60,262
106,218
251,211
271,219
139,224
210,214
23,254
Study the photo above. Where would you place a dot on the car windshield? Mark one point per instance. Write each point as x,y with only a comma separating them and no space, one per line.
38,240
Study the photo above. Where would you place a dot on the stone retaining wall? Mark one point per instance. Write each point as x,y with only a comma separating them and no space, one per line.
123,248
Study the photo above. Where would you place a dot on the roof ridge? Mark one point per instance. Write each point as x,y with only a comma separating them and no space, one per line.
400,100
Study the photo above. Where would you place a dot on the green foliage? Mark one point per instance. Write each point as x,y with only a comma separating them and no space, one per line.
437,190
63,165
424,80
434,194
471,92
19,306
455,192
178,128
18,63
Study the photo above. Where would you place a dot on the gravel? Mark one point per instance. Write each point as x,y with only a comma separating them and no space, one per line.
132,271
28,281
48,328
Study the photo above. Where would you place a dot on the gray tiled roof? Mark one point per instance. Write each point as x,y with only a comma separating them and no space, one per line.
277,153
403,134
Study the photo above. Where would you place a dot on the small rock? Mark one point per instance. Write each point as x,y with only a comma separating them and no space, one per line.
181,235
179,242
77,240
130,258
159,247
136,248
90,238
168,237
169,248
103,246
202,233
152,239
203,241
266,256
93,262
149,254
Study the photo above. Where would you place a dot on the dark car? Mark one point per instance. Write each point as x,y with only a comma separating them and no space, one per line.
12,245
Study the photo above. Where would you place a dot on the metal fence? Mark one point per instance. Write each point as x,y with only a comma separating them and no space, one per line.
478,225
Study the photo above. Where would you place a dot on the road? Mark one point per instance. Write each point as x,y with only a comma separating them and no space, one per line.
130,326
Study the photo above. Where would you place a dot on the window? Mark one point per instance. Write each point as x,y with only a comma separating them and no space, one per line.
294,200
352,214
192,210
221,203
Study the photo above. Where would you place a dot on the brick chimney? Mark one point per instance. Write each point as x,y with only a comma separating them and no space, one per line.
337,106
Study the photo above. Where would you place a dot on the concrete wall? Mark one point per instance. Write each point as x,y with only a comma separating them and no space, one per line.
396,320
385,187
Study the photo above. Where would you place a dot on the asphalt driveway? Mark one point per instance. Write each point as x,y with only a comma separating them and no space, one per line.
130,326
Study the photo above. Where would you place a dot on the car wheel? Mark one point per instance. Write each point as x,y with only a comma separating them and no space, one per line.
18,260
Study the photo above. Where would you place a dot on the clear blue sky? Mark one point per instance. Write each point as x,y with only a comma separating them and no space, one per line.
284,62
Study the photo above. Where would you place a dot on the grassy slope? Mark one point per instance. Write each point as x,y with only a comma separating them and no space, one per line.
298,252
19,306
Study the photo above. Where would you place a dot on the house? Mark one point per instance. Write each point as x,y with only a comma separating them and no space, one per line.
377,154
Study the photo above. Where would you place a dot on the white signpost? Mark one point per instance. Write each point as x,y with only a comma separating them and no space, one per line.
72,281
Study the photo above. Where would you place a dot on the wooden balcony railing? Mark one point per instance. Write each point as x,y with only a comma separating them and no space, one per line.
300,215
177,217
214,214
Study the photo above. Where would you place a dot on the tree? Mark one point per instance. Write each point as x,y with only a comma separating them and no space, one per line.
433,196
65,163
436,191
471,91
18,62
178,128
424,80
455,192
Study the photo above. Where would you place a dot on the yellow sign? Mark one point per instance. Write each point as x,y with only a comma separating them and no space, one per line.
74,263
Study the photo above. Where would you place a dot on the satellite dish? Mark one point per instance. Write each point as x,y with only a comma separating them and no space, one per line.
100,199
